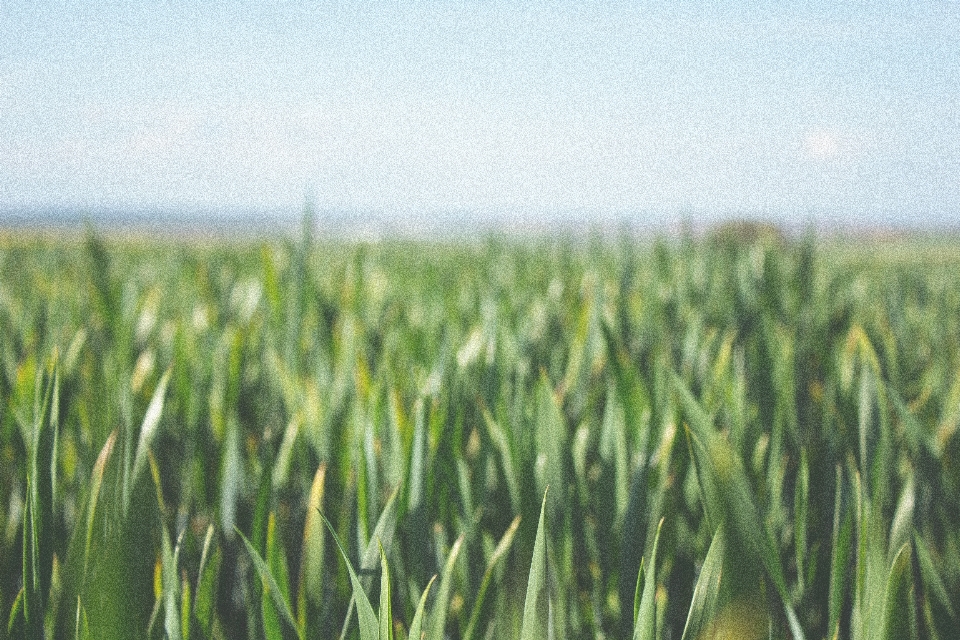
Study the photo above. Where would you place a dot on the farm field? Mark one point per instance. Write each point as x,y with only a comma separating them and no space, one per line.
737,435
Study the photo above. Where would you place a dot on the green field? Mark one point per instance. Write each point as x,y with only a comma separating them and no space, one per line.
197,436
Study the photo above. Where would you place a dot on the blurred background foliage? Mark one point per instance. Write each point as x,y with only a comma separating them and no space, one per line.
175,415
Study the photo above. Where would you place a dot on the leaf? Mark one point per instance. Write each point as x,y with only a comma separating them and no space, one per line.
734,491
386,609
270,585
276,561
416,627
931,576
645,624
311,563
171,588
898,608
502,547
81,625
185,609
706,593
15,621
536,605
902,525
801,498
438,617
839,557
204,603
369,625
148,430
382,534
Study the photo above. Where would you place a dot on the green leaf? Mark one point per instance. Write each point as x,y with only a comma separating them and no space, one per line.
645,624
148,430
386,608
801,498
931,576
839,557
15,621
537,605
902,525
898,608
277,562
270,585
438,615
369,625
81,624
706,593
171,588
382,534
733,488
185,609
416,627
638,594
310,590
502,547
204,603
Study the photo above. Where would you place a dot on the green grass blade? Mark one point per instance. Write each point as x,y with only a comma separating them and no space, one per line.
15,622
645,623
839,557
369,625
502,547
416,627
438,615
81,624
386,598
706,593
740,510
270,585
536,605
205,600
310,589
171,588
801,501
898,621
382,534
148,430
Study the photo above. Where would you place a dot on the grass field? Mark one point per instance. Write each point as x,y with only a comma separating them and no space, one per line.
730,436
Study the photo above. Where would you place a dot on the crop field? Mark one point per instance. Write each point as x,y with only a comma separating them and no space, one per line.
734,435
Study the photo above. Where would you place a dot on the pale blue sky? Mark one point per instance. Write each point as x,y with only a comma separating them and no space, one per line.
832,109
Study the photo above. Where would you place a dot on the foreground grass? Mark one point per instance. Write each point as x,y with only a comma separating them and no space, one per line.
741,438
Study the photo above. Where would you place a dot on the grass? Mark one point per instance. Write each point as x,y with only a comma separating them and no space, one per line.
732,436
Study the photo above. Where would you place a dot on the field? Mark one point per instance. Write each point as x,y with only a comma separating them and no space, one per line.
737,435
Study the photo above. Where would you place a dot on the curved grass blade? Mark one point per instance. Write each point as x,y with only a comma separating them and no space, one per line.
369,625
148,430
931,576
15,622
382,534
839,557
270,585
416,627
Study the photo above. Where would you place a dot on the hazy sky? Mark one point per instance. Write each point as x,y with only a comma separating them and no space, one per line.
845,109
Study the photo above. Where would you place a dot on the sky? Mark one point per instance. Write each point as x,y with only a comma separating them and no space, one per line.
845,111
